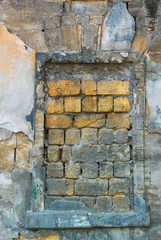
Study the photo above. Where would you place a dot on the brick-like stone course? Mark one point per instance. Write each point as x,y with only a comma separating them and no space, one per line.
88,153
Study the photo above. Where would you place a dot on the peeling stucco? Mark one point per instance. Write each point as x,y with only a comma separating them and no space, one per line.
153,89
118,28
17,66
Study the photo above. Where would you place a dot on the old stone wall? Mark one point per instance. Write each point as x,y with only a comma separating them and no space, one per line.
80,120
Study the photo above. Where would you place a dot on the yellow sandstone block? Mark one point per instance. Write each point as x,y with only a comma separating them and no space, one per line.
113,87
55,106
89,104
72,104
105,104
121,104
64,87
51,237
94,121
60,121
89,87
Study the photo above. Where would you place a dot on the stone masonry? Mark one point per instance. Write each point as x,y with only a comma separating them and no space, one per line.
80,120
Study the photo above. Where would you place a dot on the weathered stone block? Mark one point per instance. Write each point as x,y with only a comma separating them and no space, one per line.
55,106
89,104
60,187
72,136
70,37
121,203
106,136
89,36
55,170
121,169
56,136
121,104
92,8
106,170
59,121
88,87
66,154
105,104
118,121
91,187
55,40
53,154
72,170
120,136
89,135
118,152
64,87
95,121
89,153
113,87
119,186
72,104
90,170
104,203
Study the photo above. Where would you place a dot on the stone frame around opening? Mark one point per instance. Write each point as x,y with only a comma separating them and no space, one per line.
34,214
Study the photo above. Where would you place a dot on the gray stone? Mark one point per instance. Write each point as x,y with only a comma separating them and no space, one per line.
106,136
59,187
55,170
104,204
117,186
121,169
63,205
91,187
89,36
117,152
106,170
87,153
93,8
121,136
23,179
121,203
90,170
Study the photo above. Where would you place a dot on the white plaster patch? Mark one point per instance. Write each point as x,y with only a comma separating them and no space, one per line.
153,89
17,74
4,181
118,28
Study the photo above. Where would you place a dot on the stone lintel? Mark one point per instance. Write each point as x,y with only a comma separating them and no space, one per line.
83,219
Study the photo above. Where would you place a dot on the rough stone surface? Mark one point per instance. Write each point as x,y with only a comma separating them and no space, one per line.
68,39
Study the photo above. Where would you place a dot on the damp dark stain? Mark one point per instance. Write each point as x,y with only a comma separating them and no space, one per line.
152,6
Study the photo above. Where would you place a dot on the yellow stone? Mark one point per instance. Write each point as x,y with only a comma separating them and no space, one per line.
105,104
64,87
60,121
72,104
118,121
90,121
51,237
55,106
121,104
89,104
89,87
113,87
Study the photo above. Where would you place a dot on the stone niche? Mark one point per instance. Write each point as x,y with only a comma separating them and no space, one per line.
92,174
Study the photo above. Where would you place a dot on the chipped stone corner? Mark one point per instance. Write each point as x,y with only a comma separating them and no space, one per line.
17,77
118,28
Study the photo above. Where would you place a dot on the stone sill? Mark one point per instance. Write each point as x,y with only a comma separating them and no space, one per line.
50,219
